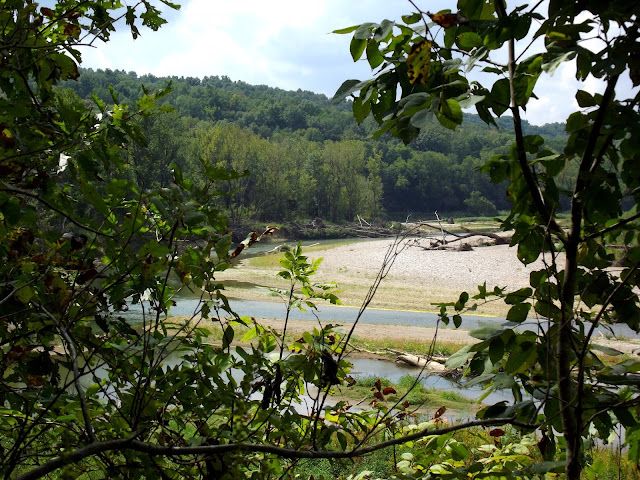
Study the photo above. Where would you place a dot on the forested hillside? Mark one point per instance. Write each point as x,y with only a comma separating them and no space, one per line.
304,156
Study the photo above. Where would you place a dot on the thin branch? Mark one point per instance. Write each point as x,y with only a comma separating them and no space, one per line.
602,310
612,227
532,185
153,450
16,290
587,162
19,191
76,372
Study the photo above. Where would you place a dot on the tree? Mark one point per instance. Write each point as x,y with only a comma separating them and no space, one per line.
83,387
480,204
420,78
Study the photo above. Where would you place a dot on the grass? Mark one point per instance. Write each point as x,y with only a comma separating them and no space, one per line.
609,464
380,463
443,349
417,395
272,261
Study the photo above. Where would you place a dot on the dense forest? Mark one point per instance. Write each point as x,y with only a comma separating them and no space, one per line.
304,156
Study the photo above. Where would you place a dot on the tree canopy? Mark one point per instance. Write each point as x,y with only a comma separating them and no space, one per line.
423,67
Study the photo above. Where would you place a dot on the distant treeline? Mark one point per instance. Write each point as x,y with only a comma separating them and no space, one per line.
306,157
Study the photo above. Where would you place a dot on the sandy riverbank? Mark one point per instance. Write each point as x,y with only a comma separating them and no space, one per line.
417,279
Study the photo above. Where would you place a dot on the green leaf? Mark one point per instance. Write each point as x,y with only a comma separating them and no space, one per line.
462,300
347,88
606,350
384,30
577,121
413,100
502,380
537,278
555,58
486,330
518,296
24,294
500,96
227,337
363,32
451,109
92,390
422,119
585,99
520,26
342,440
249,334
496,350
627,419
518,313
342,31
357,47
521,358
67,67
529,249
91,195
469,40
476,9
374,57
223,245
411,19
532,143
460,358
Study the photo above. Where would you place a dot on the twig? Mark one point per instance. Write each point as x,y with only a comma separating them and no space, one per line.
76,372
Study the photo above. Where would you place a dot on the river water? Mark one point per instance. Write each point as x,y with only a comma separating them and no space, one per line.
345,315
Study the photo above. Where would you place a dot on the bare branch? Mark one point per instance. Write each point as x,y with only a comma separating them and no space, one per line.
76,372
153,450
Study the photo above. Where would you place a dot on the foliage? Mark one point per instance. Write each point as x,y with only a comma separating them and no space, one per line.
96,380
422,67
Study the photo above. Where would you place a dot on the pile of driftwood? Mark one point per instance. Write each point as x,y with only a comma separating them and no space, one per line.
436,235
448,239
359,229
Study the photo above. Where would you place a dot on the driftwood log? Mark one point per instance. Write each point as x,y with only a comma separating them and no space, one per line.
429,365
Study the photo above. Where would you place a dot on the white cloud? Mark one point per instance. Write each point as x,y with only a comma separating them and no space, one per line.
287,44
284,44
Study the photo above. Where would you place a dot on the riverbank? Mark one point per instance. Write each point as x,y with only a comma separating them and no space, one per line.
416,280
379,341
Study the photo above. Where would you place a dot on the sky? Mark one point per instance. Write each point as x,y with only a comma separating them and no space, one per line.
286,44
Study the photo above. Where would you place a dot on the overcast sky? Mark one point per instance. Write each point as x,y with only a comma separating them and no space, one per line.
286,44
